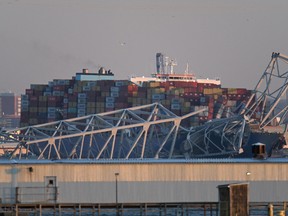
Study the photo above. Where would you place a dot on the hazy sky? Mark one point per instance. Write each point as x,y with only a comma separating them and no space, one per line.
42,40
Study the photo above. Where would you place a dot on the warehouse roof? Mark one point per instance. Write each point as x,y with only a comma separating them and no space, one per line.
147,161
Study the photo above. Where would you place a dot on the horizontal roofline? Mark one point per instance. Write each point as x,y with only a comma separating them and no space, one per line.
147,161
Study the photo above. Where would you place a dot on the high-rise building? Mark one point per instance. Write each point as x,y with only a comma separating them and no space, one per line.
10,110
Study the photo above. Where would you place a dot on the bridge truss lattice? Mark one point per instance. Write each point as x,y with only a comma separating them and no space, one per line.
149,131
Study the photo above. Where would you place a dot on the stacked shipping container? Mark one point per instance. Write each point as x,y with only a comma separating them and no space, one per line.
62,99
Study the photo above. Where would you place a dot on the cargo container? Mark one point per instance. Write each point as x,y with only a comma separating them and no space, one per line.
80,97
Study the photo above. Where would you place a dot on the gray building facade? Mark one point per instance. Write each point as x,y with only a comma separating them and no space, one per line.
139,181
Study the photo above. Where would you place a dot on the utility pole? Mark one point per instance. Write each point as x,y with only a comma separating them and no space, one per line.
116,193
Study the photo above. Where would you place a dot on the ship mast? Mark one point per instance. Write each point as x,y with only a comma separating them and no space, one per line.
187,69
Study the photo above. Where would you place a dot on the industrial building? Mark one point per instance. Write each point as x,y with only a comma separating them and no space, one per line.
139,181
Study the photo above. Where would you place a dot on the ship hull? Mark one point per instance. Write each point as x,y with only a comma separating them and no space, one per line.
272,141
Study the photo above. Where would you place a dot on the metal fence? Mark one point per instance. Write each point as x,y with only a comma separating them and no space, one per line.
36,194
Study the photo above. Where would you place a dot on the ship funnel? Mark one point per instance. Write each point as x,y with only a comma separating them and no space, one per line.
160,63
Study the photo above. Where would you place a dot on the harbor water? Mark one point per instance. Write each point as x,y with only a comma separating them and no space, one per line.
180,210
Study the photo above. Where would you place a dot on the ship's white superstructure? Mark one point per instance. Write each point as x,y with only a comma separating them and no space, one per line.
165,73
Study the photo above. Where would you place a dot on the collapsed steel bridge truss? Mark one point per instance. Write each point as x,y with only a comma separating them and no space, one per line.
149,131
228,136
270,89
220,137
152,131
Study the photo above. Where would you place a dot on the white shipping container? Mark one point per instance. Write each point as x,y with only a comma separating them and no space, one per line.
119,83
65,100
114,89
114,94
51,115
91,84
61,82
202,99
24,103
175,106
82,100
158,96
81,111
197,108
50,83
72,110
109,105
81,106
86,88
110,99
24,97
175,101
57,93
47,94
82,95
51,109
24,109
48,89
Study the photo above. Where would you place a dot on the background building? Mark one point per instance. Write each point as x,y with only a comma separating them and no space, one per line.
10,110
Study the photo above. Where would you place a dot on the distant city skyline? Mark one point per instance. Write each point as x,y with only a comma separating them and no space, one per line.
45,40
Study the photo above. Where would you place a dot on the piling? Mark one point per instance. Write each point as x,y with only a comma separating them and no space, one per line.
270,209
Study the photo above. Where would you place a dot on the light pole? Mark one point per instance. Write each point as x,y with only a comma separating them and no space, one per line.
116,192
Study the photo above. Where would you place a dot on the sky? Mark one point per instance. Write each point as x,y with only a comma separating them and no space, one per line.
42,40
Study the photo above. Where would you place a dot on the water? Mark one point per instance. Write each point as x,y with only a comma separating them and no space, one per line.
253,211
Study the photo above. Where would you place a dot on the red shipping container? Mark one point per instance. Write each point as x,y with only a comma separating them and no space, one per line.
33,98
59,88
188,90
52,98
210,116
29,92
72,98
132,88
163,84
241,91
200,88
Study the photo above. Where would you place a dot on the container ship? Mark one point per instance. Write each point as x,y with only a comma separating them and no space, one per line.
90,93
225,122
